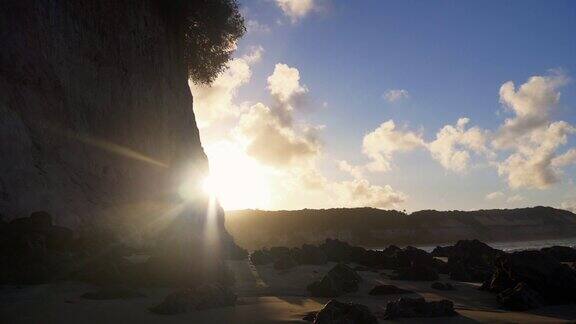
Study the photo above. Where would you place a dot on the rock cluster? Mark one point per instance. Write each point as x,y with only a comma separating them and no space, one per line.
529,279
388,290
340,280
418,307
335,312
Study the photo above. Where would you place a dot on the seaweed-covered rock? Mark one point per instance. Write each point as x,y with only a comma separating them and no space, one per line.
339,280
335,312
418,307
309,254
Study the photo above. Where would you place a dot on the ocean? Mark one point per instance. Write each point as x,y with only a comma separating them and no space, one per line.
519,245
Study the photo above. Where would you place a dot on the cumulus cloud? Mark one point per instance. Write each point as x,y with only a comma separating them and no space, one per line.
565,159
272,142
254,26
296,9
355,171
453,144
395,95
382,143
215,101
531,105
284,83
496,195
360,193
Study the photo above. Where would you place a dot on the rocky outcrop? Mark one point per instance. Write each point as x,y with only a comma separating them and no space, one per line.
340,280
335,312
97,126
531,278
469,260
561,253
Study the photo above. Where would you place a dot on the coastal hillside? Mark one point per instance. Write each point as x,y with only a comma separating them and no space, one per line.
375,227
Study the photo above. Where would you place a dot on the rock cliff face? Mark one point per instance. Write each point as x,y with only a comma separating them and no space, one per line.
96,119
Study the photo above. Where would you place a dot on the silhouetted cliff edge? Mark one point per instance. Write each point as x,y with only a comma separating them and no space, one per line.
375,227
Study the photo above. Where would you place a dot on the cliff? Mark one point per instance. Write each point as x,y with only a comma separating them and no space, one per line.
96,119
375,228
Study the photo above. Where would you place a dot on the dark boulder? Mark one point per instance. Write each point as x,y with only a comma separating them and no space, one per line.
520,298
364,269
418,307
309,254
553,281
467,248
388,290
415,273
469,268
442,286
561,253
335,312
338,251
339,280
199,298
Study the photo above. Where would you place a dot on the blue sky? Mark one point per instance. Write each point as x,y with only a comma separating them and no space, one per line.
446,60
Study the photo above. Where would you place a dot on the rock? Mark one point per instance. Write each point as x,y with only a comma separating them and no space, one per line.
418,307
553,281
442,286
388,290
467,248
112,292
335,312
309,254
339,280
190,299
41,219
520,298
469,268
338,251
415,273
285,262
235,252
561,253
261,257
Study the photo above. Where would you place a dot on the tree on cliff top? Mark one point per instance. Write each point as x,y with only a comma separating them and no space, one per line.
210,29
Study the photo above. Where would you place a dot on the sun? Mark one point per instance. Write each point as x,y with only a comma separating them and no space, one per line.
238,181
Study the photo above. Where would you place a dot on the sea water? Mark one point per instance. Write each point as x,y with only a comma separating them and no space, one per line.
519,245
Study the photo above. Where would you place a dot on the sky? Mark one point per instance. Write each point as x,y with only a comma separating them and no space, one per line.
405,105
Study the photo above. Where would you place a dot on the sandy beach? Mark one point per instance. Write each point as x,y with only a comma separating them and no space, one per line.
265,295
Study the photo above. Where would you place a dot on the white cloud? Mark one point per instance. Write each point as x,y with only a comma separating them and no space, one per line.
381,144
496,195
253,26
531,166
355,171
453,145
531,104
215,101
284,83
360,193
274,143
395,95
530,134
565,159
295,9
